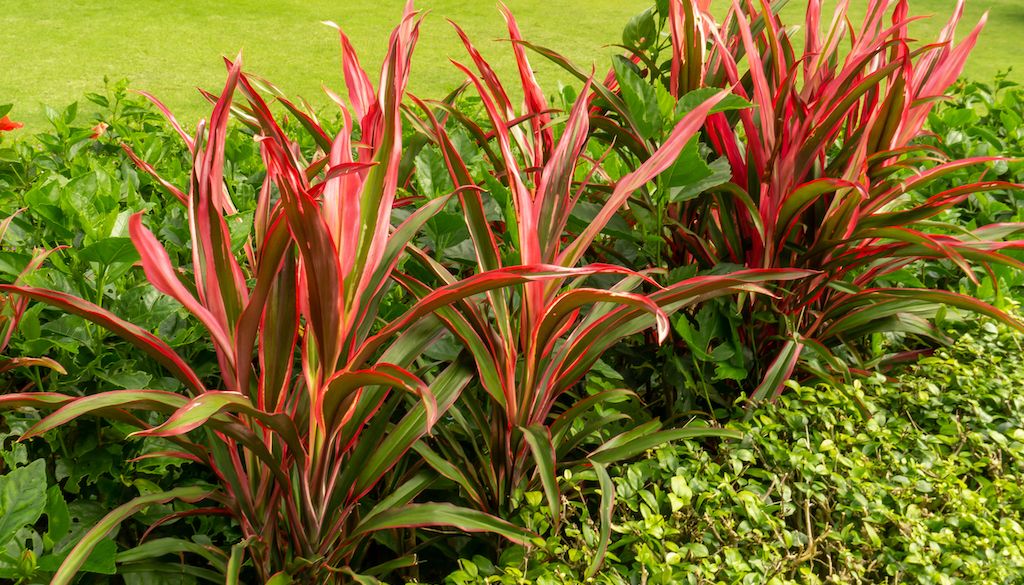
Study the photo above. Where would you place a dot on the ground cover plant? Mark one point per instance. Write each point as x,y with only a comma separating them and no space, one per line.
300,346
925,490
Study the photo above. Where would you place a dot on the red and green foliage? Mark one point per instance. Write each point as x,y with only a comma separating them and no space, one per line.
533,345
315,399
820,172
12,307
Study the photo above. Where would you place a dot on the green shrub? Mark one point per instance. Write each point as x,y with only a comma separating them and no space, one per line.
930,489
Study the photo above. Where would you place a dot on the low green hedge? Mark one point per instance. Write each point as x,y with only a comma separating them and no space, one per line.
929,489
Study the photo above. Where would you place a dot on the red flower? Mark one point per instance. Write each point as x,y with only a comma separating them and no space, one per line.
6,124
99,130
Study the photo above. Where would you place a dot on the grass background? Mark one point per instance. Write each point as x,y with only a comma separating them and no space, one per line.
54,51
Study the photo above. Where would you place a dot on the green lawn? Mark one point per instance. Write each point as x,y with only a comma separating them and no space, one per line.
54,51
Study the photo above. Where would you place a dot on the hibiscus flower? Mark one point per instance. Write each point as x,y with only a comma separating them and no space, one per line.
6,124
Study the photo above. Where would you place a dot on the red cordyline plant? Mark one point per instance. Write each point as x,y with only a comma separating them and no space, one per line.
316,399
528,416
12,308
824,171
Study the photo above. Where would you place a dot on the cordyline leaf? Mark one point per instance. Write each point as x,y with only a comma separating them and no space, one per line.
158,400
522,200
445,389
322,269
44,362
272,306
472,335
780,370
377,196
476,284
202,408
80,553
538,437
170,187
167,454
437,514
137,336
280,578
404,493
612,452
450,471
533,94
204,511
800,199
553,190
484,242
398,242
566,303
234,567
935,205
220,284
42,400
605,509
310,124
344,384
580,407
595,336
924,178
610,97
920,297
169,570
392,565
164,546
360,90
593,426
188,140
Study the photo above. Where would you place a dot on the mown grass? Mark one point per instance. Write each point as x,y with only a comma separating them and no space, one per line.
54,51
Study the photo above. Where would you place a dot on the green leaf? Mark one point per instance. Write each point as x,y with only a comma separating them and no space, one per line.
57,515
280,578
539,439
605,514
641,31
110,251
640,97
234,567
698,178
22,498
698,96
